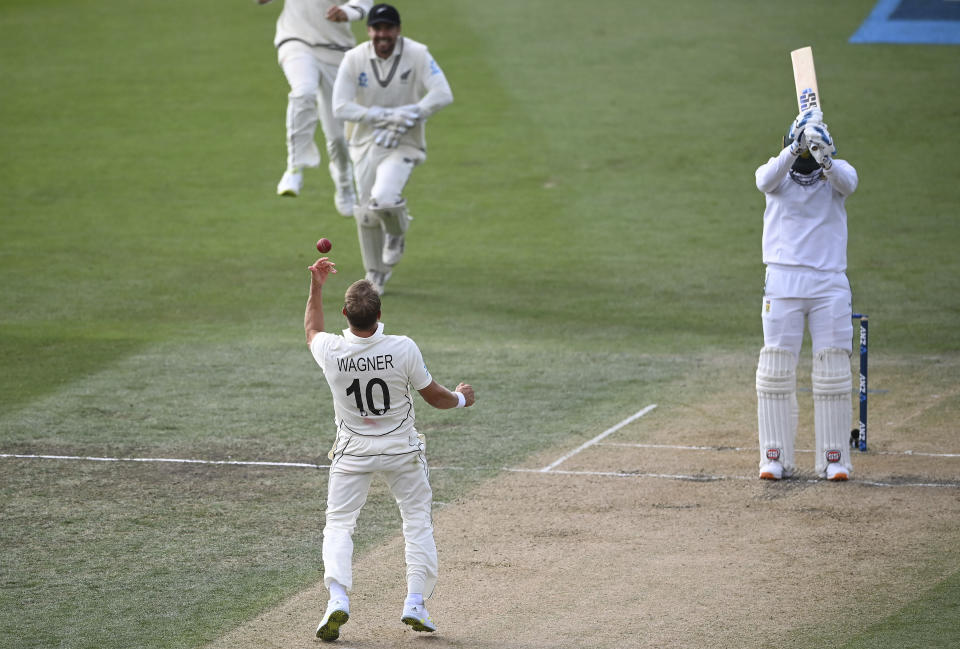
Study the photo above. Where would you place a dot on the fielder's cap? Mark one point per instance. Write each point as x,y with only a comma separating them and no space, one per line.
383,13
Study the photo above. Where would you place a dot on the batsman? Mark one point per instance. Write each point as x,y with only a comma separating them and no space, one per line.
805,254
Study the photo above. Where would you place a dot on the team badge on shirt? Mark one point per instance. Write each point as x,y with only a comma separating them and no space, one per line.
362,80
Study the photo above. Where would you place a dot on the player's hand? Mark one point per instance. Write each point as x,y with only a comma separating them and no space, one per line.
467,391
412,111
336,15
799,144
320,269
388,137
806,118
821,144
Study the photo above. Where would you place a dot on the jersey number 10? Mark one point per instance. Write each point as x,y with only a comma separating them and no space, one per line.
354,389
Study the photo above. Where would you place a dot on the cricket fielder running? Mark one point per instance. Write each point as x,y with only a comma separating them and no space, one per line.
386,88
805,252
370,375
311,37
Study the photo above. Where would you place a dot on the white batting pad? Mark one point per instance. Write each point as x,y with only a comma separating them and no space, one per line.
832,387
370,234
395,218
777,406
302,118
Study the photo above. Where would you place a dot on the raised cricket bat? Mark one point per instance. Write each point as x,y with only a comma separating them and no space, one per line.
805,78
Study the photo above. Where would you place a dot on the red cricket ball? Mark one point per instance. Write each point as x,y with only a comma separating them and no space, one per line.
324,245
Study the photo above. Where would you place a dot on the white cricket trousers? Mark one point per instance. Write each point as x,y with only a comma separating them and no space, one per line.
826,306
383,173
311,99
403,464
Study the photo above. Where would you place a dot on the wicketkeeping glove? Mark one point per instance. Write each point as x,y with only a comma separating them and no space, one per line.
380,117
388,137
821,144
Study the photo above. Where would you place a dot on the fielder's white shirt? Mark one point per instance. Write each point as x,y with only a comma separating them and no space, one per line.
306,21
370,380
409,76
805,225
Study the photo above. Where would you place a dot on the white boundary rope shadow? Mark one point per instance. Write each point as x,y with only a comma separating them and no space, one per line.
599,437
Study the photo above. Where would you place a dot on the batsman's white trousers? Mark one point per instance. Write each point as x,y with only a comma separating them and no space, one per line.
402,462
309,77
823,299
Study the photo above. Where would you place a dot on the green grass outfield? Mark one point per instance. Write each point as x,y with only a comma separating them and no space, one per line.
587,228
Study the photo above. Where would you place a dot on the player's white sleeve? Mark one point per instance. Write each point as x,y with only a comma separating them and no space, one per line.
345,92
770,175
357,9
842,177
417,370
318,348
439,93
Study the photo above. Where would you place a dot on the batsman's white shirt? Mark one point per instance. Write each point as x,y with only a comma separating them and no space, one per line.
370,380
805,225
408,76
306,21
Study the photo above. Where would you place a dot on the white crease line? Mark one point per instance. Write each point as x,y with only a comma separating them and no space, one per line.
599,437
305,465
754,448
605,474
717,478
627,474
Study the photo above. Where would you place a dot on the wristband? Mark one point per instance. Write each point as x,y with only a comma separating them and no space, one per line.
461,400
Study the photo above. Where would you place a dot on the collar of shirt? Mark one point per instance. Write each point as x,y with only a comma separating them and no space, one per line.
397,51
349,336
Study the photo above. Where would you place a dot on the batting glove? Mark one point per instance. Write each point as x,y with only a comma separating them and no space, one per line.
806,118
821,144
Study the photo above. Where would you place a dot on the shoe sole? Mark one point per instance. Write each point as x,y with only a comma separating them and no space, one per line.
840,477
766,475
289,192
331,630
417,625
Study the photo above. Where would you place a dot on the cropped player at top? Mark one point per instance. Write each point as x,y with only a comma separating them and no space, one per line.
386,89
311,38
370,375
805,253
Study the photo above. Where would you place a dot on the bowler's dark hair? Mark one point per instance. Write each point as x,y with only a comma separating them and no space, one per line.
362,305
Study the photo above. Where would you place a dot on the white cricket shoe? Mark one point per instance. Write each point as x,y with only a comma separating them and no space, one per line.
392,249
338,612
345,198
417,617
290,184
771,470
837,472
378,279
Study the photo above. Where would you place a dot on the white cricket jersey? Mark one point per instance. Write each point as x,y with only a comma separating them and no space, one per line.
408,76
805,225
370,379
306,21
